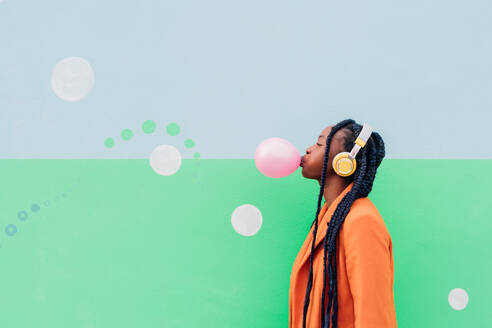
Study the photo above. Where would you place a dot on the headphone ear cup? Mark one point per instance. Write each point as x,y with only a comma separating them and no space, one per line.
343,165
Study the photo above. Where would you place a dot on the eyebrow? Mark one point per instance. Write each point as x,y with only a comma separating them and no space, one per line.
320,136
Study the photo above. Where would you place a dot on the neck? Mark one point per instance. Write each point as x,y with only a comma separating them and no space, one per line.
334,186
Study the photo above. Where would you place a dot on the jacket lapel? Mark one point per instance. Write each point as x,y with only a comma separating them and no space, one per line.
325,217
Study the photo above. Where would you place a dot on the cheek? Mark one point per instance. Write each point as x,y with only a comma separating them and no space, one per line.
321,156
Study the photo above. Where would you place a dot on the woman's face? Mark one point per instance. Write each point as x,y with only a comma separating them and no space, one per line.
312,161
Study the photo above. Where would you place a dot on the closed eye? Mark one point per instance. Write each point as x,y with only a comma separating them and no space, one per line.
319,144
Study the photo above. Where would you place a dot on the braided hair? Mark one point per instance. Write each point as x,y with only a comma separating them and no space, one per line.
368,159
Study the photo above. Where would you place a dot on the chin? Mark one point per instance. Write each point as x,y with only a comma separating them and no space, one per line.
304,174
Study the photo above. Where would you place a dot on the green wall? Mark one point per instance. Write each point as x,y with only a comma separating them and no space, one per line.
113,244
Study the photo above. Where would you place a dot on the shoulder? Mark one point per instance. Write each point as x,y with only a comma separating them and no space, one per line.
364,217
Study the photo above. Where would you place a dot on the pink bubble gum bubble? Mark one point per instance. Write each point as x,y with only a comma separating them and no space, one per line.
277,158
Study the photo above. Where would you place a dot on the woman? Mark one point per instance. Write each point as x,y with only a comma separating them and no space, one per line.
350,262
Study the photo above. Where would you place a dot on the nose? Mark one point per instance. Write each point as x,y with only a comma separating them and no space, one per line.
307,152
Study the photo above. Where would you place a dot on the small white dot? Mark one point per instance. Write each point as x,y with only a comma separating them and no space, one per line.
165,160
246,219
458,298
72,78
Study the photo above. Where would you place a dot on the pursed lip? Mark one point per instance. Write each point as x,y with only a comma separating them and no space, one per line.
302,160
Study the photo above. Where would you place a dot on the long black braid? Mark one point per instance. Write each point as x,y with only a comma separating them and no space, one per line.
368,159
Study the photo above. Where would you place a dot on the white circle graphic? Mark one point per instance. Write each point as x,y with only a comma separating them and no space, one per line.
165,160
72,78
458,298
246,219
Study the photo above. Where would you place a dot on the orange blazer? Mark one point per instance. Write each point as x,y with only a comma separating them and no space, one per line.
365,270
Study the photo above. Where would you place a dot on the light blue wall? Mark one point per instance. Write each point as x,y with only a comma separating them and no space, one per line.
233,73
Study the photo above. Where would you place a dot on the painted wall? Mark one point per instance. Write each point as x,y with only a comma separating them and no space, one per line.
129,195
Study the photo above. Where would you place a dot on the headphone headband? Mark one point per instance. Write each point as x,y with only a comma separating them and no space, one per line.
361,140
